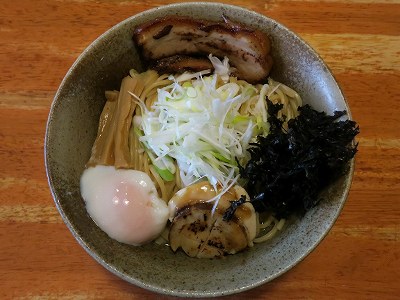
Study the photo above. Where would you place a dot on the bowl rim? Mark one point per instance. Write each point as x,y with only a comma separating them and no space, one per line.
95,255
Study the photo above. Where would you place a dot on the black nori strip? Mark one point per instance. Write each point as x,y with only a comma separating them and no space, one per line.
228,214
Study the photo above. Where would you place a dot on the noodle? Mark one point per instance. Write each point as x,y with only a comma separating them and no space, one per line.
160,184
268,229
278,93
118,137
117,143
267,223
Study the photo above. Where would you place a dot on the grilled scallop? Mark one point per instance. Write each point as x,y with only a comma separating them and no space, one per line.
203,234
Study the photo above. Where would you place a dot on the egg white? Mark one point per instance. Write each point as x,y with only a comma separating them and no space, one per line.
124,204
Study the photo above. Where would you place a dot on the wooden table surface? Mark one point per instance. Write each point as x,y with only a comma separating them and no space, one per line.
359,40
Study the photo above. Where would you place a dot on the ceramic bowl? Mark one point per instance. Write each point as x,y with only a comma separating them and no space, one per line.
72,127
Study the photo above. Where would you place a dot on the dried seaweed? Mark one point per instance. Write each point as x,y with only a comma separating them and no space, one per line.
228,214
289,168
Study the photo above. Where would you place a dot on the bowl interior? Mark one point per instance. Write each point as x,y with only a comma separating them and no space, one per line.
72,128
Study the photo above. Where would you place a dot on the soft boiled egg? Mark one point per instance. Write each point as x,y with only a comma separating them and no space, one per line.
124,204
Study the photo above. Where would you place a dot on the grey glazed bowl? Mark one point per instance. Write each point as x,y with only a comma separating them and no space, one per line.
72,127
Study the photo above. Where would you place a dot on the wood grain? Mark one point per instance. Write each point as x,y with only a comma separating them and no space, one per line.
360,257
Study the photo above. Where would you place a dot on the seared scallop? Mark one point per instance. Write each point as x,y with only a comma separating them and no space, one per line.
202,233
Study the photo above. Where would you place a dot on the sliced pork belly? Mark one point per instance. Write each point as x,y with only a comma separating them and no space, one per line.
180,64
248,50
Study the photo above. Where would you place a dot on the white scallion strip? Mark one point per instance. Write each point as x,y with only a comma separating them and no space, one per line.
193,122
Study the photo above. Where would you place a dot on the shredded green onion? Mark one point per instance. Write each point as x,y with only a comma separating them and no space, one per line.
200,124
